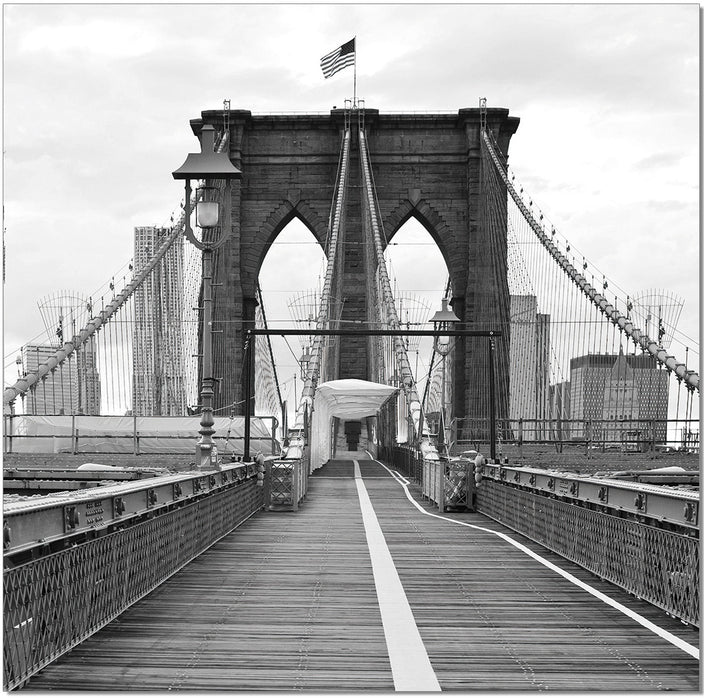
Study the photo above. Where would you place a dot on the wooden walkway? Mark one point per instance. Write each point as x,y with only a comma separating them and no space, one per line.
288,602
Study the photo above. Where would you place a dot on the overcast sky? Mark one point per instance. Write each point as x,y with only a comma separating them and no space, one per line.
97,100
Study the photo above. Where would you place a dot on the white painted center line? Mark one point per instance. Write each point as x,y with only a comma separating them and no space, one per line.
410,665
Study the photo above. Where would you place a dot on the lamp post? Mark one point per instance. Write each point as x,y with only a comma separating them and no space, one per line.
443,321
206,167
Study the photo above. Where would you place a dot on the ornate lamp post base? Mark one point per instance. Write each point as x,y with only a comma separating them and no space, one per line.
207,458
206,450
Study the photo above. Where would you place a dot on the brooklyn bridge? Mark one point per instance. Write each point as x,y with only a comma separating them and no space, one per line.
496,490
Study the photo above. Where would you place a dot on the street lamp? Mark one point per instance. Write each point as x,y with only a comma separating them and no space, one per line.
443,322
207,167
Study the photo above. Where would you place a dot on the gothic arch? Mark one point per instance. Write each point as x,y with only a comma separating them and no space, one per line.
275,223
434,224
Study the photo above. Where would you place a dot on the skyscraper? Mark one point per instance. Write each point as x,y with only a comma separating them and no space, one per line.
529,397
72,388
628,391
160,376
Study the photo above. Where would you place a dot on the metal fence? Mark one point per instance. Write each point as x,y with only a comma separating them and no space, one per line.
628,435
446,484
79,434
287,483
54,603
656,565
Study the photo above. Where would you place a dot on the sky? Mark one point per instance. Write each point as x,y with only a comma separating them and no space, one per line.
97,100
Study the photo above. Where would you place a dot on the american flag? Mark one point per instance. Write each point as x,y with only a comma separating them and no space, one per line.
338,59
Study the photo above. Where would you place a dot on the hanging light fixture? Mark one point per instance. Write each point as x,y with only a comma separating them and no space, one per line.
207,207
206,167
443,321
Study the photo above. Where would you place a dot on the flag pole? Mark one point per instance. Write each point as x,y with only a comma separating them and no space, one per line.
354,92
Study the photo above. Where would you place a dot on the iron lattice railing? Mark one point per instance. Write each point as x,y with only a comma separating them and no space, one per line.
449,484
287,484
54,603
446,484
659,566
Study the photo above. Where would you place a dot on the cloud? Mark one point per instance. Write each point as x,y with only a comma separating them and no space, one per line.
672,205
99,38
557,54
659,160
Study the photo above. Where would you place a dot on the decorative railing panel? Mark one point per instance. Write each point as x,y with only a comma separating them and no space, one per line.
459,485
54,603
654,564
446,484
287,483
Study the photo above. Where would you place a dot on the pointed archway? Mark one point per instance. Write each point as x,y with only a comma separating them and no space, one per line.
290,271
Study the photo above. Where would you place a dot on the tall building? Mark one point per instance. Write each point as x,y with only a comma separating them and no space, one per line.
560,410
266,398
72,388
627,391
529,396
159,353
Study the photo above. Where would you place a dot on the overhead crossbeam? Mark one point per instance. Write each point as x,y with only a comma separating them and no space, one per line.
689,377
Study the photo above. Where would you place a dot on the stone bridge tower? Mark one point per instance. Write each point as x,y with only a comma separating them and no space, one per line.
426,166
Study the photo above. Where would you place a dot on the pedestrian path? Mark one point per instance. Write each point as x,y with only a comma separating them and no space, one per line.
317,600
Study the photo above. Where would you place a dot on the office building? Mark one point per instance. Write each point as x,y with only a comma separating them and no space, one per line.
160,350
529,397
623,394
72,388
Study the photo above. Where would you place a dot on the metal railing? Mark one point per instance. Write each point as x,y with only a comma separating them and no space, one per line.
406,459
53,603
657,565
80,434
628,435
446,484
286,483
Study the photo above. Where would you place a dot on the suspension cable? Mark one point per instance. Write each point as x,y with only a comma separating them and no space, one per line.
690,377
271,351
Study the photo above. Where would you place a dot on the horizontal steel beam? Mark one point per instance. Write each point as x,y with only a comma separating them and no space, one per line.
667,505
45,520
374,332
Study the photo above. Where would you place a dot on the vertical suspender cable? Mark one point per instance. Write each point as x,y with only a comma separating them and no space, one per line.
271,351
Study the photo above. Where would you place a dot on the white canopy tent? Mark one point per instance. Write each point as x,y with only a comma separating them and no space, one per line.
348,399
